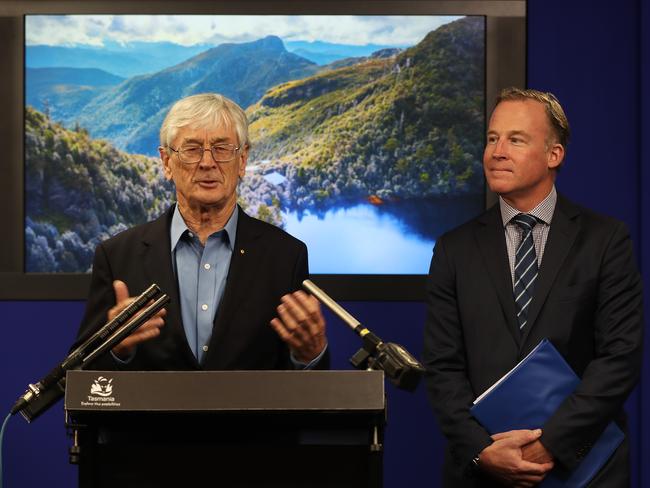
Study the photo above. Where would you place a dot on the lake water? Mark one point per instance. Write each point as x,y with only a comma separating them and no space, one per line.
395,238
275,178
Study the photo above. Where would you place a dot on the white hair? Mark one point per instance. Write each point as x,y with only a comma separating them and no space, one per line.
204,110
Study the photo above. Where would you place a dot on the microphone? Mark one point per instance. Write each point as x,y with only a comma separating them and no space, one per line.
40,396
124,316
403,370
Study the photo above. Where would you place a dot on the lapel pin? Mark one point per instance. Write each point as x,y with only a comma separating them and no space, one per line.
241,251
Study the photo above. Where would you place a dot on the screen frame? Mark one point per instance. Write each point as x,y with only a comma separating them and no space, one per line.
505,59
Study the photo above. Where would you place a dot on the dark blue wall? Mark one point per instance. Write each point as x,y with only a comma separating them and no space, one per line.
596,57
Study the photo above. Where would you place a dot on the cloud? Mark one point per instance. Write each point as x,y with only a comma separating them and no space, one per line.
95,30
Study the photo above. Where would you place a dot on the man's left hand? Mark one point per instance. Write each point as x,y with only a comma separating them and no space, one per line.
535,452
301,325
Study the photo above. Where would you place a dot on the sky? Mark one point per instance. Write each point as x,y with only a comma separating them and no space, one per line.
186,30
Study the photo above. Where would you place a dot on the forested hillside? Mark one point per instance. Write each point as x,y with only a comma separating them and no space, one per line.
406,126
80,191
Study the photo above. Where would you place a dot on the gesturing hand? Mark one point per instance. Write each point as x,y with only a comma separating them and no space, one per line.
301,325
148,330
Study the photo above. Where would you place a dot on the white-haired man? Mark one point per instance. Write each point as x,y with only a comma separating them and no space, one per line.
232,278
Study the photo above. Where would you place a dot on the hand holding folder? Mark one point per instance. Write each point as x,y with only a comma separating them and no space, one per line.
528,395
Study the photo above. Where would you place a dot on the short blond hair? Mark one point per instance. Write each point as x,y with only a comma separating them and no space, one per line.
556,117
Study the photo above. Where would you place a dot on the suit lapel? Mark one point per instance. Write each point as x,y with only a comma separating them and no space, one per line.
561,236
157,264
492,244
243,269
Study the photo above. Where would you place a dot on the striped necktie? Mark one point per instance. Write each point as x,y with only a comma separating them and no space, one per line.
525,268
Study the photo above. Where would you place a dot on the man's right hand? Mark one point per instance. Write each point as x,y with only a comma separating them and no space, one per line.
148,330
503,459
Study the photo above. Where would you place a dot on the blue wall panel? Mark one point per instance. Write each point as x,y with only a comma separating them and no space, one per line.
589,55
35,337
643,468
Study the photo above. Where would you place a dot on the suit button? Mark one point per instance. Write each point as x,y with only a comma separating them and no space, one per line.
205,348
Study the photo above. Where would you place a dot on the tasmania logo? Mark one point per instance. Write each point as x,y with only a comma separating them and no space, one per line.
102,387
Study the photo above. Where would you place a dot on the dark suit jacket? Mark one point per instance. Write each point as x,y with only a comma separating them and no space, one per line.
587,301
266,264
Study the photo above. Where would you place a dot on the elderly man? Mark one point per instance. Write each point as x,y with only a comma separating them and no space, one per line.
232,279
534,266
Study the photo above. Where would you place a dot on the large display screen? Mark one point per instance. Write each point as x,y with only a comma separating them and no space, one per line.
367,131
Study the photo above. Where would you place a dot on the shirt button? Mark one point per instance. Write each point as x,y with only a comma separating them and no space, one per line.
206,265
205,348
204,307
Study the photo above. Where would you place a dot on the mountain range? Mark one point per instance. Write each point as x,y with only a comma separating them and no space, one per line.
124,60
130,113
63,91
323,53
139,57
406,126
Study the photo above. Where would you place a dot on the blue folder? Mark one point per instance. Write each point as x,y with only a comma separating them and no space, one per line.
528,395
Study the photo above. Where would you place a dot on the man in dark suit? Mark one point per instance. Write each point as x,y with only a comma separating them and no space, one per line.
534,266
232,279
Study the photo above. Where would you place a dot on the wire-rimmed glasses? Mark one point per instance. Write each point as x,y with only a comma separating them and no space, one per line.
221,153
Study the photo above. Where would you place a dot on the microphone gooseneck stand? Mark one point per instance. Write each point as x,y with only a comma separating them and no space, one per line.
403,370
43,394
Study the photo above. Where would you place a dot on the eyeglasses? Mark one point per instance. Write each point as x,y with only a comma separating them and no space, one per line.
221,153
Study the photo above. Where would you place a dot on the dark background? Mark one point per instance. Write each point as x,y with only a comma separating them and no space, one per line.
595,56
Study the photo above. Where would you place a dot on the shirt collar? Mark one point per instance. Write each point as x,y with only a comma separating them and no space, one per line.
179,227
543,211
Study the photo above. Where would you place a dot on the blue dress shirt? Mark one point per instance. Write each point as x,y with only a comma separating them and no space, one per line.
201,272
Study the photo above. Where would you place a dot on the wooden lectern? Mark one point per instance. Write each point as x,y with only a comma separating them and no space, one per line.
226,428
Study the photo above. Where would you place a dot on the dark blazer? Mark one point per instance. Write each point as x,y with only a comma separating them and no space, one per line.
587,301
266,264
